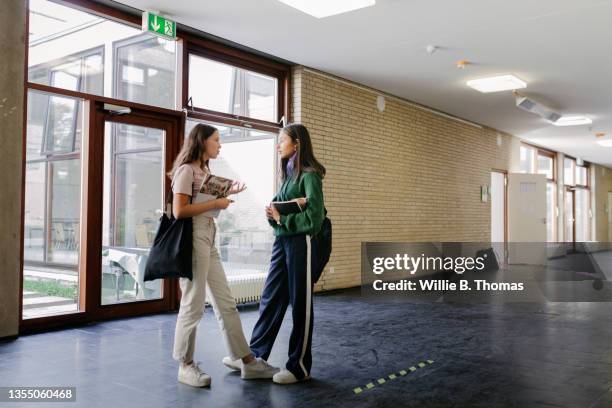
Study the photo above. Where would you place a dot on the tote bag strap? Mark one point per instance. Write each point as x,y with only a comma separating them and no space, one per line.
171,196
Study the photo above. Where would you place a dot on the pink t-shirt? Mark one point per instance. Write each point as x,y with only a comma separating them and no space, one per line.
188,179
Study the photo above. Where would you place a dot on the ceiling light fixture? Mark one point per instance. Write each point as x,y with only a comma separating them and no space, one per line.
573,121
326,8
605,143
497,83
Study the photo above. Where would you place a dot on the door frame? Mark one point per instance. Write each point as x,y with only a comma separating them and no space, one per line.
91,259
92,171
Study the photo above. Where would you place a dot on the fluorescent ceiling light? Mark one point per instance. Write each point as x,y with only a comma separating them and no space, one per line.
326,8
605,143
573,121
496,84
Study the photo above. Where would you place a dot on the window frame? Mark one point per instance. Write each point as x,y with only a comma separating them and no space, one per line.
89,261
117,76
573,171
536,151
48,66
532,151
573,188
238,59
551,155
587,176
115,154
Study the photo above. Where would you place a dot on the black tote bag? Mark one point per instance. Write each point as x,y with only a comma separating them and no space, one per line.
170,255
323,241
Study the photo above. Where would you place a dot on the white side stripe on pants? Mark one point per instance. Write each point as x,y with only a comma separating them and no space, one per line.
308,299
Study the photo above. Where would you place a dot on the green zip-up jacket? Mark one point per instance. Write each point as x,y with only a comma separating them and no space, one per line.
309,221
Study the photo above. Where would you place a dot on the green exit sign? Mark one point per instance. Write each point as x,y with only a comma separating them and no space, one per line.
158,25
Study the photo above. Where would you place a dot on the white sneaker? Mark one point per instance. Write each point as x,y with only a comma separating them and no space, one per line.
232,364
287,377
258,369
192,375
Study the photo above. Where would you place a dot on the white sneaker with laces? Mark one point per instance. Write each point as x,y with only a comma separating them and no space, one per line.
258,369
287,377
192,375
235,365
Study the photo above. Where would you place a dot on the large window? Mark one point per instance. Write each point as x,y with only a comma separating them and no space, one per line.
52,204
145,70
242,100
96,178
569,171
74,50
546,166
219,87
578,209
53,181
527,159
245,238
77,51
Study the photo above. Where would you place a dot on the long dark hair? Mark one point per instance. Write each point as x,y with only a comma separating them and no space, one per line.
305,159
193,147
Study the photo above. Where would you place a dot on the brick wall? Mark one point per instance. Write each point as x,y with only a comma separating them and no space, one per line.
406,174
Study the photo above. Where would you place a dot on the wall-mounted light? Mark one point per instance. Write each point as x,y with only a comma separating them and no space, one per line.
380,103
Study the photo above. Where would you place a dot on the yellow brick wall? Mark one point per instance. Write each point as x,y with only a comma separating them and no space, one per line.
402,175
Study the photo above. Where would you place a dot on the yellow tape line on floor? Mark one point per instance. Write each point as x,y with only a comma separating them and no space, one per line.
392,376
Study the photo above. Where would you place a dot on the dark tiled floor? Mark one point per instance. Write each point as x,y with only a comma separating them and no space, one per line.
514,355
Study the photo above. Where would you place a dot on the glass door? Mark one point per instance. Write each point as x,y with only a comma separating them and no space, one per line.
128,184
133,199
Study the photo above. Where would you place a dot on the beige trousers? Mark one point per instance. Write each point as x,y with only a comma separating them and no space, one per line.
208,276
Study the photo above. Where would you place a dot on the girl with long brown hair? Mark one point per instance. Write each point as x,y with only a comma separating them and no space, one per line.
190,168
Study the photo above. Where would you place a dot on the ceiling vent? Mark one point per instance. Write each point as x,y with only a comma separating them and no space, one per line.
532,106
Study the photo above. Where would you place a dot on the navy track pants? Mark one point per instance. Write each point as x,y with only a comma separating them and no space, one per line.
293,270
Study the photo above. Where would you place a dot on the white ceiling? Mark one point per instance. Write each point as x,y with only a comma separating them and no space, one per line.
562,48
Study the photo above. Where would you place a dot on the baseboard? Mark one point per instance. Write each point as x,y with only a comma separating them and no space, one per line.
9,338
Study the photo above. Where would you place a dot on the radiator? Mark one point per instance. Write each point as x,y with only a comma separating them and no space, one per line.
247,288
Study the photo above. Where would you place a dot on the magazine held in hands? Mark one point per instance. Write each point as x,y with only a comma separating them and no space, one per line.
213,187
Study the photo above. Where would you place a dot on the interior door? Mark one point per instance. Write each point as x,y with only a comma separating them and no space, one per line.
527,218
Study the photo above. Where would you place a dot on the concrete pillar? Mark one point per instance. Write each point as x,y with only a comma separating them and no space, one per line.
12,53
